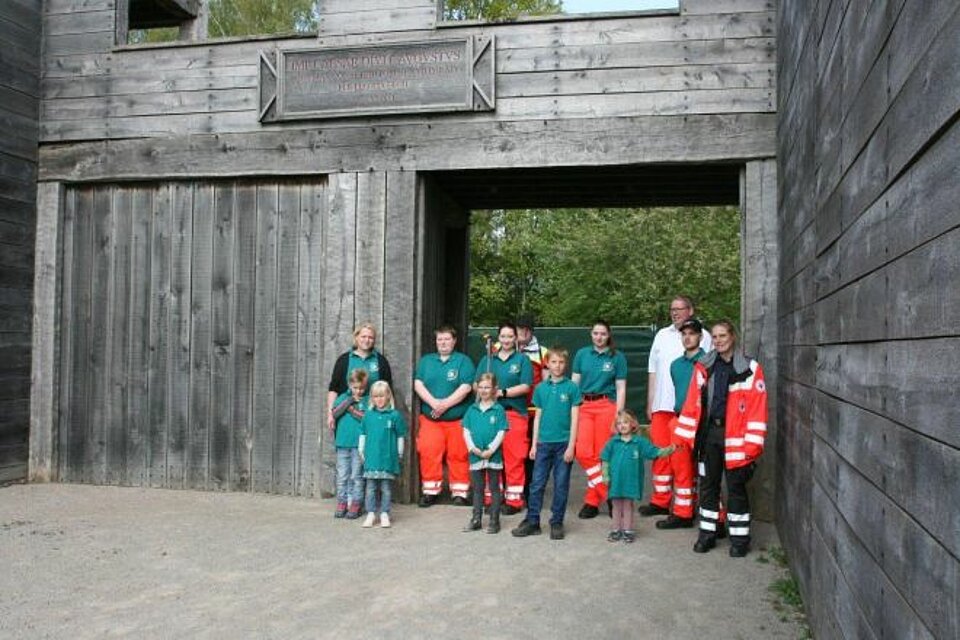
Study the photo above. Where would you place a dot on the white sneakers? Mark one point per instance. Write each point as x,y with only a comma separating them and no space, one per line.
372,518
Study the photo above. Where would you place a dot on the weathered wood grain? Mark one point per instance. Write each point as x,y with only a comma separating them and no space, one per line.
223,290
378,20
311,387
245,269
400,335
339,250
430,147
265,339
179,331
370,239
159,377
117,395
285,452
44,414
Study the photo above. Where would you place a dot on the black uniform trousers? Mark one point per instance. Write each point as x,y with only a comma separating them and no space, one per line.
712,470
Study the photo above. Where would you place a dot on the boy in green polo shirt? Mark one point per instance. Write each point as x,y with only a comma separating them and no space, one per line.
557,400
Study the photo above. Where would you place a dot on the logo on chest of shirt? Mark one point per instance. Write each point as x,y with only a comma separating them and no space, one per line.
607,366
452,375
514,368
389,424
493,419
564,398
635,454
373,367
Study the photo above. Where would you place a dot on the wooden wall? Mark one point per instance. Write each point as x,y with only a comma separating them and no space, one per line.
698,86
20,28
201,320
148,124
869,325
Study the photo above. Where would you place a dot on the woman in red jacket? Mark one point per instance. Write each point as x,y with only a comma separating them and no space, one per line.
724,421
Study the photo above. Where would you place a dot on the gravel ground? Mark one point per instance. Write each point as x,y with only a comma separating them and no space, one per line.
100,562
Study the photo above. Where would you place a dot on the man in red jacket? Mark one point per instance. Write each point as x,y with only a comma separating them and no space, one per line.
724,421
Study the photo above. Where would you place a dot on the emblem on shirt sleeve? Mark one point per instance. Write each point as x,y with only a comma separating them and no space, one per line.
761,387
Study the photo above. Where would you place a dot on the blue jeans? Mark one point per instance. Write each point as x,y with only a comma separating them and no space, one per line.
549,457
349,476
385,485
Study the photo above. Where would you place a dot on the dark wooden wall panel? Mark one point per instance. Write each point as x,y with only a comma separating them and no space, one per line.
868,452
20,29
190,349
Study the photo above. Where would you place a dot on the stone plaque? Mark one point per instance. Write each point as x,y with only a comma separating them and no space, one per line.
412,77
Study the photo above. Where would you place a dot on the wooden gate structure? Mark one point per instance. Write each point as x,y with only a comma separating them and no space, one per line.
215,217
208,231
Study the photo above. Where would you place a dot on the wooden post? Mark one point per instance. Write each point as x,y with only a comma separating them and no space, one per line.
760,273
43,391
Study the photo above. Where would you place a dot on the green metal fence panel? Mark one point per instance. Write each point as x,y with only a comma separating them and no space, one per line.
633,341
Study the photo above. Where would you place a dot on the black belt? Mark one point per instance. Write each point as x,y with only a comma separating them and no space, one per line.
594,396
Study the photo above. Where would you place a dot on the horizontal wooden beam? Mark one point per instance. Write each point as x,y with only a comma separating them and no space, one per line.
423,147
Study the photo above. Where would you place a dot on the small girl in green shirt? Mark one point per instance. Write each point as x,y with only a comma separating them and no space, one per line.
382,432
622,459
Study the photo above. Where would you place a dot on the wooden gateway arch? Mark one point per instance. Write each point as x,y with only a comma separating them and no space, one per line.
216,216
213,217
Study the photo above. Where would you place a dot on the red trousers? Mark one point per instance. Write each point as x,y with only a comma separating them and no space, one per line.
434,441
596,425
516,447
672,476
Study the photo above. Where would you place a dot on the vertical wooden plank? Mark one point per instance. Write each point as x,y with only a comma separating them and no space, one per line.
159,378
198,443
339,241
101,337
68,325
311,389
401,325
117,394
285,377
371,224
138,418
221,449
179,331
760,278
81,314
245,222
43,407
265,338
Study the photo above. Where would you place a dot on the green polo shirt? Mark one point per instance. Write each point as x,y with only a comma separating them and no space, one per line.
382,429
600,370
442,378
510,372
348,426
625,460
555,399
370,363
681,370
483,425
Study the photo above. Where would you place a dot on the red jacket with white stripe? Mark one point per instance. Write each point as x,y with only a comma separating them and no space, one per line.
746,419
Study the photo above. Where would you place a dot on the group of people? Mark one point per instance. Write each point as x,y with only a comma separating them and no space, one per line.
505,425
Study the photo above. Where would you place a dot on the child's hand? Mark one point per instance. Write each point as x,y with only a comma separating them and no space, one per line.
487,453
568,454
533,452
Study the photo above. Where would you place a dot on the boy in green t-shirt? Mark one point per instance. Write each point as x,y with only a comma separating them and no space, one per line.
557,400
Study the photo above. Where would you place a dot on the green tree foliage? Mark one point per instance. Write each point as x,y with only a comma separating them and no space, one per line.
569,266
254,17
230,18
496,10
